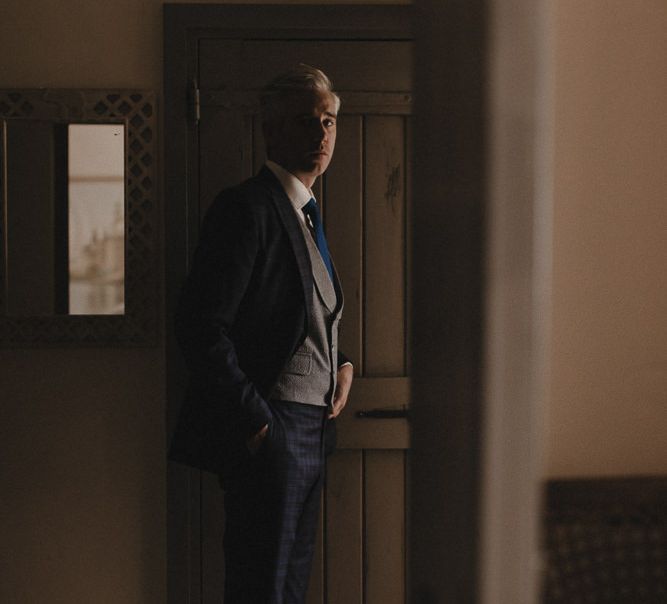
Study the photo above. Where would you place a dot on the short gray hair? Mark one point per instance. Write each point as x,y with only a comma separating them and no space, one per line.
300,78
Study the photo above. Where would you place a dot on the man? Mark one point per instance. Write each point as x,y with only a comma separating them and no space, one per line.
258,325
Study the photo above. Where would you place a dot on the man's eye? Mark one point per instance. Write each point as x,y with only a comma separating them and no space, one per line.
329,123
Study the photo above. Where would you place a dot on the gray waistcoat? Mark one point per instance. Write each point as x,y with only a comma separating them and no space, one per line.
310,376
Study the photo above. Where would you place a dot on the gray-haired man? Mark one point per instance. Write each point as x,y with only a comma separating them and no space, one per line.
258,324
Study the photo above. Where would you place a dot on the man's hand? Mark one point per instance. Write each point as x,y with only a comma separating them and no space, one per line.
344,383
254,442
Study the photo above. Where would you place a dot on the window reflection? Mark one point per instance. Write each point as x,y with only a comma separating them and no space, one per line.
96,216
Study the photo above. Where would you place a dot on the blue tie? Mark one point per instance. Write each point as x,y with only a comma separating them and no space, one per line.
311,211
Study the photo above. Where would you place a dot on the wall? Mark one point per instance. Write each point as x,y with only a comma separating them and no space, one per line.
82,476
82,442
82,430
609,373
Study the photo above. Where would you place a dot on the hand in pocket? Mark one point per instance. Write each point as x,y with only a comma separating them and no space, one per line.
255,441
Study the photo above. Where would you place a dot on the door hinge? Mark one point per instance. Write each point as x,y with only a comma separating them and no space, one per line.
195,103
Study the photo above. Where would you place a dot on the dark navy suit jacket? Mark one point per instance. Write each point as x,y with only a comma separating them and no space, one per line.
243,312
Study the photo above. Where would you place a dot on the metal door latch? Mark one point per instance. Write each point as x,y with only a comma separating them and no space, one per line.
383,414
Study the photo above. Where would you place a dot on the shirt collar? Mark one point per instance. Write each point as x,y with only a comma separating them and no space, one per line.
298,193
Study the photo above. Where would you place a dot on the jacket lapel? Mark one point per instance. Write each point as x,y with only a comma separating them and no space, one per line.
325,286
294,233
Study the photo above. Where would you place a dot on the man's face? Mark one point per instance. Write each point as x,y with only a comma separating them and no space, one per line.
303,141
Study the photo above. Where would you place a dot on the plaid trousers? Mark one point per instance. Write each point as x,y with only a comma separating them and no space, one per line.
272,507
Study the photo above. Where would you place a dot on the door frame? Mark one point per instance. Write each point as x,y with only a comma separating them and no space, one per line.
184,26
480,352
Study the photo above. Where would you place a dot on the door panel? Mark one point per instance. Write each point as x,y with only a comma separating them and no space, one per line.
344,527
352,65
361,540
369,394
344,226
384,238
225,151
384,495
212,518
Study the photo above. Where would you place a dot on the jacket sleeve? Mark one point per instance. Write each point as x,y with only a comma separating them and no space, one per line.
342,359
221,270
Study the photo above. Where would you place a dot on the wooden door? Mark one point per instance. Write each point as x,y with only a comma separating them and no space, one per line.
361,556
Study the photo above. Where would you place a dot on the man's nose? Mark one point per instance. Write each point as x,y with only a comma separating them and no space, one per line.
319,132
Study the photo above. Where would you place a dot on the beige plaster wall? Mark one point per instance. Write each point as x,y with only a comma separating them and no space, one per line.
82,477
82,447
609,396
93,43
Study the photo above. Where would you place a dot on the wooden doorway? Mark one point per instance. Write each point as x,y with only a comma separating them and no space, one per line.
216,58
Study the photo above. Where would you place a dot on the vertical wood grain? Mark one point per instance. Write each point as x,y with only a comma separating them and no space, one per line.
384,316
213,563
344,226
247,147
222,165
384,496
224,152
258,146
344,568
409,130
195,543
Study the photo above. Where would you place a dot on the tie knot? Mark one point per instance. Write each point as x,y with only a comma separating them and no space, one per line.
310,206
312,211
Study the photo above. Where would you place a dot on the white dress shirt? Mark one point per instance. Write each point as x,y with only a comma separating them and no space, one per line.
298,193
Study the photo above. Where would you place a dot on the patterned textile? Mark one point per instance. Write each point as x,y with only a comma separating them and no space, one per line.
272,507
